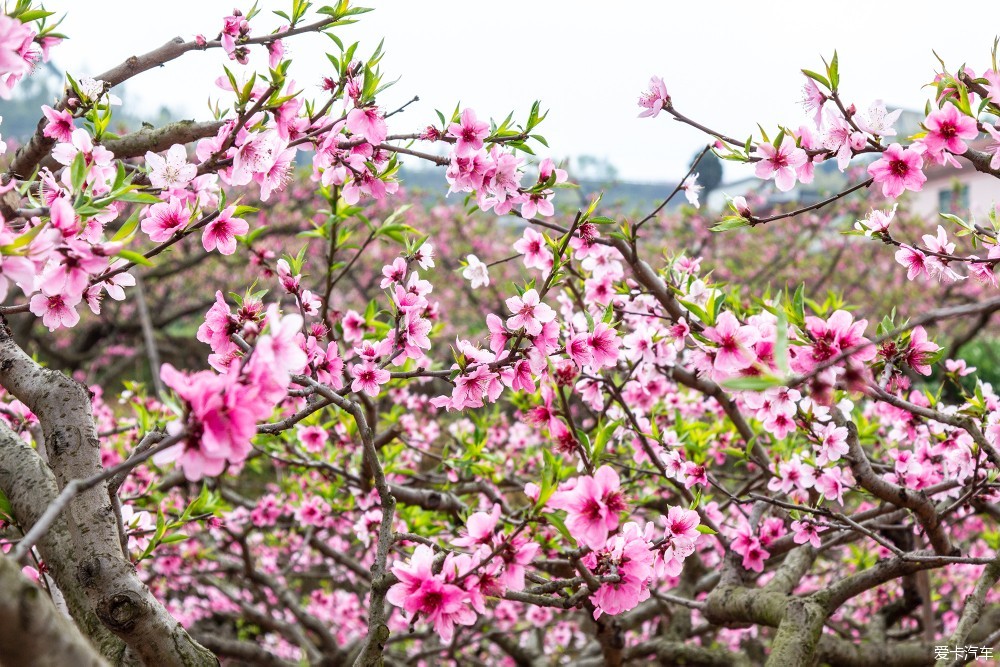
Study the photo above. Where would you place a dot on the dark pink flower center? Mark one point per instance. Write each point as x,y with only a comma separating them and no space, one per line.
779,160
615,503
591,510
948,130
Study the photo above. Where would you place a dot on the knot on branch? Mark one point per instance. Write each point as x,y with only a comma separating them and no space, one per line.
88,571
121,611
382,635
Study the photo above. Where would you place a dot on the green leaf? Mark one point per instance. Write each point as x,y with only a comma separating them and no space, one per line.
696,309
603,436
781,343
592,207
244,210
78,171
728,223
834,71
561,527
33,15
134,257
128,229
753,383
819,78
139,197
798,304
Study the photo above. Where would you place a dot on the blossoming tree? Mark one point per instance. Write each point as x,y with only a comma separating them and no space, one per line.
383,449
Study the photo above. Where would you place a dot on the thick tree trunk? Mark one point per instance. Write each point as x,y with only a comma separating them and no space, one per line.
29,486
33,631
798,634
114,592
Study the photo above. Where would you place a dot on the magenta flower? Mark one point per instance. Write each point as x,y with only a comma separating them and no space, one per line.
947,128
578,350
471,389
519,377
735,350
604,344
779,425
536,253
275,52
221,233
985,272
57,310
959,367
393,273
805,531
914,261
15,37
218,326
97,158
630,552
314,438
529,313
780,163
792,474
256,155
899,169
843,139
754,556
682,524
919,350
592,506
694,474
876,222
813,100
832,445
411,575
469,133
832,483
516,558
994,147
234,27
498,333
655,99
60,126
281,348
221,419
163,220
368,123
420,591
832,336
480,528
937,267
368,377
279,173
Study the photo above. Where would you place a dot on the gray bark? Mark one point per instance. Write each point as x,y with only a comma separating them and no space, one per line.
32,631
108,581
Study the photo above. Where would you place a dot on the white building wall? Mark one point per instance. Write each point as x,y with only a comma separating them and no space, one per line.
984,193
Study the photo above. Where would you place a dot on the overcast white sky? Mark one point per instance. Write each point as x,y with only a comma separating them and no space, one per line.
727,63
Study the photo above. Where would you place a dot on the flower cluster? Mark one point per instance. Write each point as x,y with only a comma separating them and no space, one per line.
221,410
